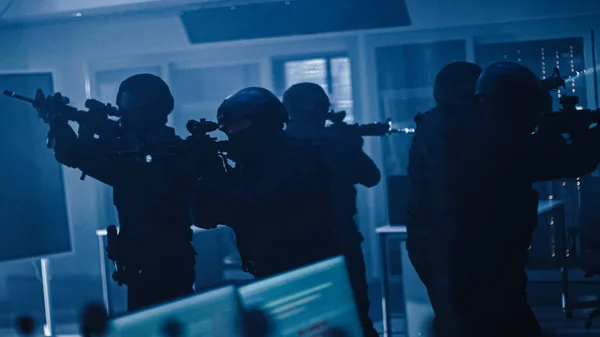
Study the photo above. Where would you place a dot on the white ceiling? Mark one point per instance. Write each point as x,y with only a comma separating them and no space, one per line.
424,13
30,11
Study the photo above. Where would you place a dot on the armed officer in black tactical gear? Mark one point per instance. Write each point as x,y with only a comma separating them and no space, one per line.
341,148
486,207
277,197
153,248
510,99
430,225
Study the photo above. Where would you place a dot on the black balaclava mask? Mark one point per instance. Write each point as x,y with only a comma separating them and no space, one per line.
253,120
307,104
455,83
144,102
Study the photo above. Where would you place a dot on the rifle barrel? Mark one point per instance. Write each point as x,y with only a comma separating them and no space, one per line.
17,96
402,130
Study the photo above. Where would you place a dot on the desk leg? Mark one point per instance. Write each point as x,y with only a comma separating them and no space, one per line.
104,275
562,258
385,295
45,264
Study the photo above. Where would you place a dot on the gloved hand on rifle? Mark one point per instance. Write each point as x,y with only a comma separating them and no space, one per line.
62,139
51,108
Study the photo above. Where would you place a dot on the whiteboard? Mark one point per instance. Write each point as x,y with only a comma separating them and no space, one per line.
33,213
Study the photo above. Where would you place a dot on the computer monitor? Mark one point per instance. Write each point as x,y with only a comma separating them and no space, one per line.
215,313
307,301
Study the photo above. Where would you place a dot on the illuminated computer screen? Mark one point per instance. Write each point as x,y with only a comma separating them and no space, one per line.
212,314
307,301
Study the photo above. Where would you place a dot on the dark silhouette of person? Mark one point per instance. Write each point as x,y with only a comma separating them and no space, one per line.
154,242
488,208
430,223
277,196
25,325
515,155
341,148
93,320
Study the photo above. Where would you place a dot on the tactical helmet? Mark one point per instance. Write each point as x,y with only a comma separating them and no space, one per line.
151,91
507,81
455,83
511,89
303,100
254,103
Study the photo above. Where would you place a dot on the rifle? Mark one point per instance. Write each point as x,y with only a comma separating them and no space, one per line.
371,129
571,117
91,122
556,81
199,141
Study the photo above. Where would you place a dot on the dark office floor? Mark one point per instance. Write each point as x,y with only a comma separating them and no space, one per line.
545,297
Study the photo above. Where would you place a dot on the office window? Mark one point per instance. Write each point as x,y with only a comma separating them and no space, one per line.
541,57
107,82
306,71
199,91
406,75
331,73
341,83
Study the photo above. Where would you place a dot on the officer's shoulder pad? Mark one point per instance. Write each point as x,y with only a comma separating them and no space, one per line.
419,117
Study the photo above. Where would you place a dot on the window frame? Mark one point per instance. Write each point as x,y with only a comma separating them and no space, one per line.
278,68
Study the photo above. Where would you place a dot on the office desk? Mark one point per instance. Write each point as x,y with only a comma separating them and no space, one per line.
419,314
416,300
